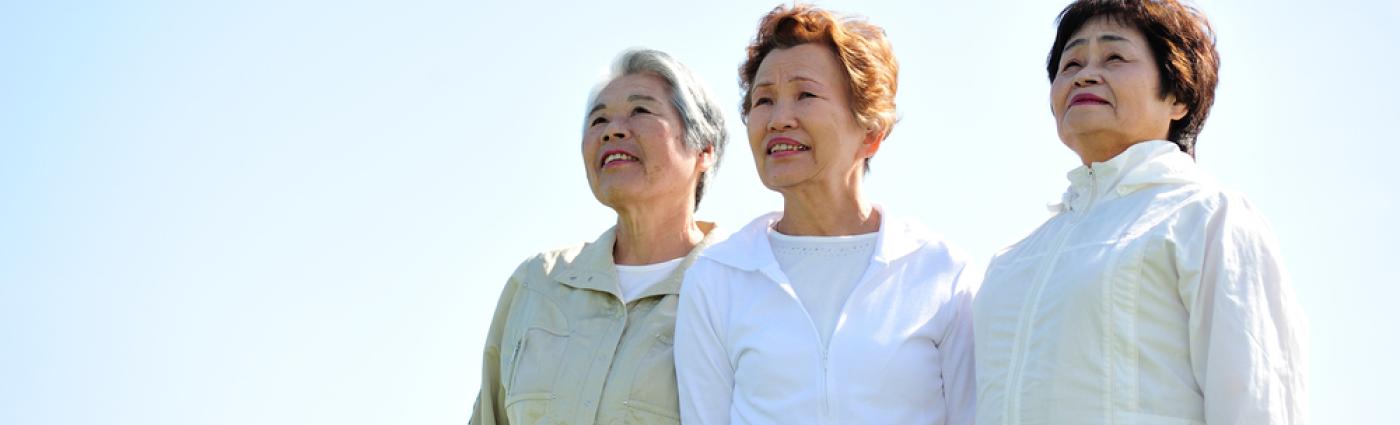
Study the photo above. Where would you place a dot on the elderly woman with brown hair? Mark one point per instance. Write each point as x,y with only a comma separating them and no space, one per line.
1153,296
582,335
833,310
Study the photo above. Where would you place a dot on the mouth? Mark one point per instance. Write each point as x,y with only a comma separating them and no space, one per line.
617,158
1086,99
784,146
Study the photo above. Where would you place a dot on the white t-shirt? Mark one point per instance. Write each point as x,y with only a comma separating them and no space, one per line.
635,280
824,270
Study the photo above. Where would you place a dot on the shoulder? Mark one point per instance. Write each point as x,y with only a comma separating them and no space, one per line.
741,249
934,259
709,278
546,262
732,259
549,267
1212,207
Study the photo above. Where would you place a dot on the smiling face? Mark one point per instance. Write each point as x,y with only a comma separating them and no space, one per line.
633,151
800,124
1105,97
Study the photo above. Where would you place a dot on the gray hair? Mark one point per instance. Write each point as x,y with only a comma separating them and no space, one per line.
701,121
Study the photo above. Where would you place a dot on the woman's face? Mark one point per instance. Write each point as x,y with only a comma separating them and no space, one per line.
633,150
801,127
1105,97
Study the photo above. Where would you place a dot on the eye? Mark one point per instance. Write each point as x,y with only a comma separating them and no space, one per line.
1070,64
640,110
599,120
1116,57
806,94
762,101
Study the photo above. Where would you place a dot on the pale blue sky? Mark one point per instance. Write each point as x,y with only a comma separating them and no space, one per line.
302,212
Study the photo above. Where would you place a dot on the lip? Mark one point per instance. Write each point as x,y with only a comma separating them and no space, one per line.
783,140
618,163
1086,99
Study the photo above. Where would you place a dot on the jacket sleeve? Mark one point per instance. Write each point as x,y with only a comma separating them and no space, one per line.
703,371
1246,332
956,350
490,399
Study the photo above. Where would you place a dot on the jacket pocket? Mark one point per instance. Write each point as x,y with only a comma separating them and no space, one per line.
538,360
540,354
654,397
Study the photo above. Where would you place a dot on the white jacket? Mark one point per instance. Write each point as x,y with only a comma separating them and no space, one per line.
1153,297
747,352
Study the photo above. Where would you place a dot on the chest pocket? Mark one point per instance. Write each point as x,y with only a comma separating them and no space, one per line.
538,357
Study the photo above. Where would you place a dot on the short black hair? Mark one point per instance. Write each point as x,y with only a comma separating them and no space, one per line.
1182,43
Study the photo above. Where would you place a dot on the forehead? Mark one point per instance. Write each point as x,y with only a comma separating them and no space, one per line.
811,60
1109,25
627,86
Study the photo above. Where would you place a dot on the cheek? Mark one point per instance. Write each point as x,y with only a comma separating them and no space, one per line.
755,130
586,148
1059,90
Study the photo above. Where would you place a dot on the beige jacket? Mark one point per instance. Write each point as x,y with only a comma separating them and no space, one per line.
563,349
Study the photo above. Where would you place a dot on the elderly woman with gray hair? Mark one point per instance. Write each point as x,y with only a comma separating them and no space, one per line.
583,335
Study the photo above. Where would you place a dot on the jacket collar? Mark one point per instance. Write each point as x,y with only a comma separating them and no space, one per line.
1142,165
748,249
593,267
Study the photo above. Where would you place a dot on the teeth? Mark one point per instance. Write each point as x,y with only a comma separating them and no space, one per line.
618,157
787,147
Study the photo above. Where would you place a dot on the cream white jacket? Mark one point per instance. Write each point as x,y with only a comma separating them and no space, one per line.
1152,297
747,352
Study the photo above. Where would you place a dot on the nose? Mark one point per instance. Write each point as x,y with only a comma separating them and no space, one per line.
615,132
1087,77
782,118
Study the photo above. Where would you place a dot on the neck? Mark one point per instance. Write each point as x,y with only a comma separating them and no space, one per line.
655,233
1098,146
828,211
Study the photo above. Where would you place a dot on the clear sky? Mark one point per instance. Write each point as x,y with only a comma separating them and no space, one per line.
302,212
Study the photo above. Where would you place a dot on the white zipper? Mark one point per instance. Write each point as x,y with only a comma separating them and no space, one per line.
826,407
1013,396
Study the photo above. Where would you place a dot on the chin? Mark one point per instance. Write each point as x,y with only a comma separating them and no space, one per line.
780,182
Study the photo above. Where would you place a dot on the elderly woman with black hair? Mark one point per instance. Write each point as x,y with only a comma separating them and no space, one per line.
1153,296
583,335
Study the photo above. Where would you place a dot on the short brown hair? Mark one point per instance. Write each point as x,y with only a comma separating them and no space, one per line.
1182,42
872,74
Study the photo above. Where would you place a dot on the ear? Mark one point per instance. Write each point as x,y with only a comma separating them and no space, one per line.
1178,108
705,160
871,144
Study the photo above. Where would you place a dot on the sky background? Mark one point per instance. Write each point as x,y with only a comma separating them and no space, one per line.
303,212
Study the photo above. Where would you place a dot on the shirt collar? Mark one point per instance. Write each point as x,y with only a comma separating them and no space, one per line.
1140,166
748,249
593,267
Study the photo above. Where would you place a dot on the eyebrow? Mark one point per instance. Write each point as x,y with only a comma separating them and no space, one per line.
797,78
632,98
1104,38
